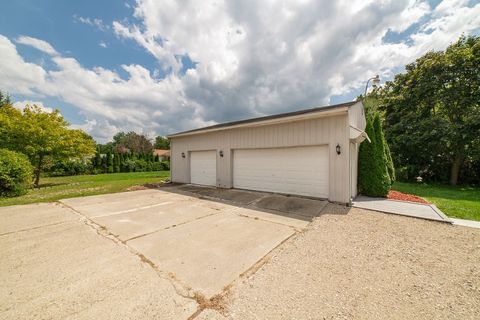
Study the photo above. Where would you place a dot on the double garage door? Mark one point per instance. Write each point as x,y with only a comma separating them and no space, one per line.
294,170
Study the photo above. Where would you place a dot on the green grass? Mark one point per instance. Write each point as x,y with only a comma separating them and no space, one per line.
55,188
458,202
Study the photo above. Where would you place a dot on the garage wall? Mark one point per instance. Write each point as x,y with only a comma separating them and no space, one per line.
320,131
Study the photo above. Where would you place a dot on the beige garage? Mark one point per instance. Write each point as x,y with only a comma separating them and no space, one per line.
310,152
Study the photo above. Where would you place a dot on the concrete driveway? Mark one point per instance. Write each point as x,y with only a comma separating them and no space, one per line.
149,254
186,252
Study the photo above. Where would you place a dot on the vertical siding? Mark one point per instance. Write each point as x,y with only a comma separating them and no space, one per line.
320,131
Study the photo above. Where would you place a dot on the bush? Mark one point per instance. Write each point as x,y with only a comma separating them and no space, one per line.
70,168
15,173
165,165
373,178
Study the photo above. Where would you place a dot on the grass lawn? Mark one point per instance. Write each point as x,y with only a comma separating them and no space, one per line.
55,188
458,202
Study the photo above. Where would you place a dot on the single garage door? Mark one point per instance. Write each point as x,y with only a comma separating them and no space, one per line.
203,167
295,170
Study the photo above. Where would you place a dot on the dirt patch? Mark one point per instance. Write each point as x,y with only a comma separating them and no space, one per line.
306,208
397,195
150,186
217,303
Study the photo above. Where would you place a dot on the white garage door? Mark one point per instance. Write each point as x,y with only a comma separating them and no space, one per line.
296,170
203,167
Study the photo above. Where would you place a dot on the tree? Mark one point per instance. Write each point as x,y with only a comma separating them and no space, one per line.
381,152
97,160
116,162
109,162
42,136
432,111
162,143
373,179
4,99
132,142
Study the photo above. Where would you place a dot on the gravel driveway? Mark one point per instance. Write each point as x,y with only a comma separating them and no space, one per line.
365,265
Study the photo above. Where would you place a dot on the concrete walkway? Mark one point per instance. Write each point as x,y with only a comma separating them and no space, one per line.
404,208
466,223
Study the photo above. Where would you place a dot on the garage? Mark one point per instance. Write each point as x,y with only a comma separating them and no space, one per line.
203,167
294,170
311,152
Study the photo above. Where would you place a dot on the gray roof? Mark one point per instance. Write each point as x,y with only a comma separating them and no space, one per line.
265,118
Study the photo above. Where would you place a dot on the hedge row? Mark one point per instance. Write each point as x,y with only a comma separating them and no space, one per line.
110,163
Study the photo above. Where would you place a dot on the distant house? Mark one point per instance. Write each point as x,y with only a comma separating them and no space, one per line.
162,154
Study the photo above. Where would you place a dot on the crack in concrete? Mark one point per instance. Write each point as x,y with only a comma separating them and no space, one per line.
217,302
180,288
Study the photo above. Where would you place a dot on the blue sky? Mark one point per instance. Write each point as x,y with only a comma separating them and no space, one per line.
158,67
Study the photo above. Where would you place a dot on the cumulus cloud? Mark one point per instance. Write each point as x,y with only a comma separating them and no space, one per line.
37,44
263,57
250,58
17,75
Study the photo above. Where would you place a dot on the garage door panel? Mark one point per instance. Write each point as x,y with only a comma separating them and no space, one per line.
203,167
296,170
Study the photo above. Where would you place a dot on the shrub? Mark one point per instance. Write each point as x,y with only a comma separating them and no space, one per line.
129,165
373,179
15,173
70,168
157,166
165,165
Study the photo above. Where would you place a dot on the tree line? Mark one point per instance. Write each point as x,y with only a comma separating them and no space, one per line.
431,115
34,142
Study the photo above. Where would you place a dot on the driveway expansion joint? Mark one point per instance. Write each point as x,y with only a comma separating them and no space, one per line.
34,228
180,289
169,227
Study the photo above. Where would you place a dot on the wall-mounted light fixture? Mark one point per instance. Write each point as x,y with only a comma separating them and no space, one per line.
183,154
338,148
221,153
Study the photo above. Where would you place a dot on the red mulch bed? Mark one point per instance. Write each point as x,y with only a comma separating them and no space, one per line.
397,195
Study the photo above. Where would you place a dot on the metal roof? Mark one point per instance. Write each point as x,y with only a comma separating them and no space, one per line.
265,118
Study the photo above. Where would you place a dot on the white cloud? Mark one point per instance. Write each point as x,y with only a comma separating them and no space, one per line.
252,58
103,44
94,22
17,75
37,44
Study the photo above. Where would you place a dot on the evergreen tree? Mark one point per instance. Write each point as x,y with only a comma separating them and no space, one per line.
381,153
98,161
116,163
121,160
373,179
104,164
109,162
157,158
390,166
